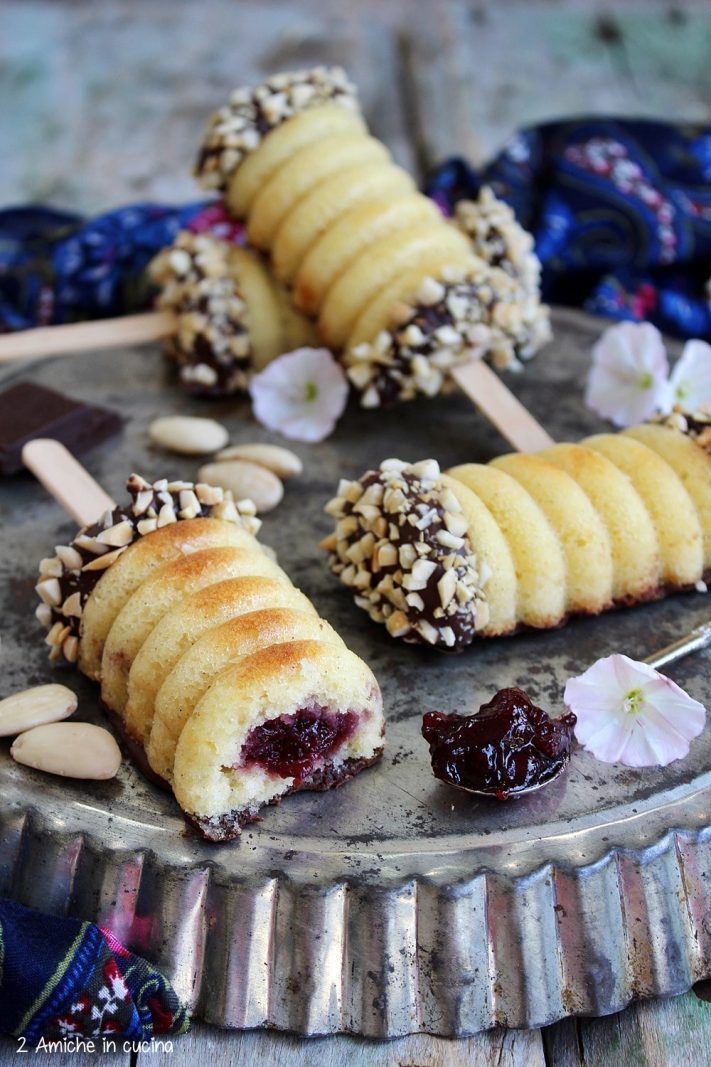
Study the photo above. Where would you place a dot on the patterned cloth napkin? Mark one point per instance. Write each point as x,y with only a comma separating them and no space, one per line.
620,209
60,978
56,267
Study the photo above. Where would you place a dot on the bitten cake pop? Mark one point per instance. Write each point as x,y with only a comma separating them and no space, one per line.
527,540
397,290
218,672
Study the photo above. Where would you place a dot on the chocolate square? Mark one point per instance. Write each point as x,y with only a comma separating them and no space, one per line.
28,411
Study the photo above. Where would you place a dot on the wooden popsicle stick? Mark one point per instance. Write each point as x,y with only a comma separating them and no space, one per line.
84,336
513,421
66,480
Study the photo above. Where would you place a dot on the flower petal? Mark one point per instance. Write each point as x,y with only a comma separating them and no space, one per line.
656,741
691,377
679,711
301,394
628,378
639,751
629,713
608,738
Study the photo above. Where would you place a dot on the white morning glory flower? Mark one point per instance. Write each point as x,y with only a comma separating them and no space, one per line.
629,713
691,378
628,380
301,394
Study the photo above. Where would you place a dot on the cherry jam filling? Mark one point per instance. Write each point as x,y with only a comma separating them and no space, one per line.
510,745
290,745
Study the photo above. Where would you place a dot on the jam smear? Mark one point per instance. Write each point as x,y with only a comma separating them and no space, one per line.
290,745
509,746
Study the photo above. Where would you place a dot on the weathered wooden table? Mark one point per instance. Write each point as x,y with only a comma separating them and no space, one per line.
104,103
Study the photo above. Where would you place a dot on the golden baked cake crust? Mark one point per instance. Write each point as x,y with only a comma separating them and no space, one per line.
581,532
213,780
151,602
341,223
690,463
354,232
187,613
126,574
535,548
192,675
676,522
525,541
186,624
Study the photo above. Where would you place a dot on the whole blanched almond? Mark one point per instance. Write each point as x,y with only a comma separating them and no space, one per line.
281,461
245,480
187,434
72,749
35,707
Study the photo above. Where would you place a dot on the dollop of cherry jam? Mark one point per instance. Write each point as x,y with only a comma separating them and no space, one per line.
510,745
290,745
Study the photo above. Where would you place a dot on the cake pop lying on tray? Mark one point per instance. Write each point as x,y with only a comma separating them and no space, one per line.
397,290
527,540
219,674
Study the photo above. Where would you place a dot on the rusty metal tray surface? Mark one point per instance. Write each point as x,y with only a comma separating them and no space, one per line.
394,904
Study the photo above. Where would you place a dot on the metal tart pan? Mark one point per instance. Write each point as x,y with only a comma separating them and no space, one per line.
393,904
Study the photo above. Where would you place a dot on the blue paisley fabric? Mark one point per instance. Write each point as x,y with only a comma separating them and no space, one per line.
57,267
61,978
620,211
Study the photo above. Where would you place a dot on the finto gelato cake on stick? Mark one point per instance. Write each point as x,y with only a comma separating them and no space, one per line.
527,540
400,292
218,672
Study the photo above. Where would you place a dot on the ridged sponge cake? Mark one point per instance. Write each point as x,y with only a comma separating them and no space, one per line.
131,569
187,623
582,534
195,671
636,563
346,239
535,548
318,210
423,245
178,608
304,129
299,715
157,595
676,522
341,222
690,463
305,170
526,541
497,614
